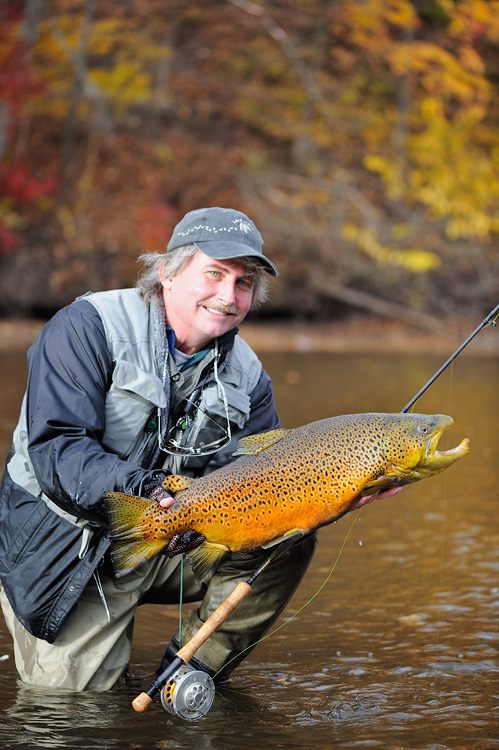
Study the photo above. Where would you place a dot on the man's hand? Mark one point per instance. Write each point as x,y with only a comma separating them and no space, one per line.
375,496
162,497
183,543
179,542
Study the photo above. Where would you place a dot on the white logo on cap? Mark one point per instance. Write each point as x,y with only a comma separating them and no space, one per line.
244,226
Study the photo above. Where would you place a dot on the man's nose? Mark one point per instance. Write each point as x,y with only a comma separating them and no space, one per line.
227,292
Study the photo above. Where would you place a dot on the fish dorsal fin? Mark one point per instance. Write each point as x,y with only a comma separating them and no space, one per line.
176,483
205,558
254,444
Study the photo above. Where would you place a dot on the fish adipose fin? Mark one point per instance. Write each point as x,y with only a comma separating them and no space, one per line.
252,445
205,558
129,548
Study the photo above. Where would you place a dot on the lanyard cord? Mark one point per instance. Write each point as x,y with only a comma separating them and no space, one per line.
221,391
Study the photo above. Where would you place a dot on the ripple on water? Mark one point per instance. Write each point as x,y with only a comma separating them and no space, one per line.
397,652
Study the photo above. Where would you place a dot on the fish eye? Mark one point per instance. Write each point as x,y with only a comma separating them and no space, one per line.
424,429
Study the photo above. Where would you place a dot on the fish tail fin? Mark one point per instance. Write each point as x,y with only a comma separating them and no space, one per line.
129,546
205,558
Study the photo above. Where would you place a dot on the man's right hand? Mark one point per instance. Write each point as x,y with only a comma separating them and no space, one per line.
162,497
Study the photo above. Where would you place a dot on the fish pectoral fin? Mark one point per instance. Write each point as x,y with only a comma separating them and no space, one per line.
287,537
382,483
252,445
205,558
176,483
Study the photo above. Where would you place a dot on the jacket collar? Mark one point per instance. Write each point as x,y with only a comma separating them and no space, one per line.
225,344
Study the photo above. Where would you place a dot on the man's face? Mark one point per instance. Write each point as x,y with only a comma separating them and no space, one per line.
205,300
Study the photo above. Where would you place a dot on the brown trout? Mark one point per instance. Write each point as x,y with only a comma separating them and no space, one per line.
286,482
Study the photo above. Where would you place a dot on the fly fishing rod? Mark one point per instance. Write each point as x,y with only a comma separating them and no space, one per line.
188,692
490,319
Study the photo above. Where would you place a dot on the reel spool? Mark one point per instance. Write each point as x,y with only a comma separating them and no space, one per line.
189,693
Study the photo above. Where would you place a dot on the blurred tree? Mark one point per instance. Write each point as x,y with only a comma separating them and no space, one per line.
360,134
24,188
418,109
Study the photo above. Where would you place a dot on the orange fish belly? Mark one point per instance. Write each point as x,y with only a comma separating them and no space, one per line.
244,515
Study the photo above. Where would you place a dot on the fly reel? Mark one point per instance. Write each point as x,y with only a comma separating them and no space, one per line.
189,693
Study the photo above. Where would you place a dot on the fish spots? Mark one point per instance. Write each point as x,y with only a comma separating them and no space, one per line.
308,478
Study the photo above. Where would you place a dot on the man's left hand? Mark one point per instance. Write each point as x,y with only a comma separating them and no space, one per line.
375,496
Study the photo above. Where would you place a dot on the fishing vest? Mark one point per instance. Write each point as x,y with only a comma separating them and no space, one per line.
136,390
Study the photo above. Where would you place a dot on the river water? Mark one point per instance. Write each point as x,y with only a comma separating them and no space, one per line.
398,649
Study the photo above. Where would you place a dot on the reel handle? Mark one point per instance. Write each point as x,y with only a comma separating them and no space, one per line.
214,621
142,702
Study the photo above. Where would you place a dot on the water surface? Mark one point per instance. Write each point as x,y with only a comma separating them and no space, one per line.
399,648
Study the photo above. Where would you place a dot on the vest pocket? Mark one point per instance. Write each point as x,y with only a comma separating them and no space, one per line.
209,421
131,399
238,403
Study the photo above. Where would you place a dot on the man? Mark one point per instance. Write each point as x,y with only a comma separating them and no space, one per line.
124,387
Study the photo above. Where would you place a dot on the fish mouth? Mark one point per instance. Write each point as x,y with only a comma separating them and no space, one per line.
431,446
436,461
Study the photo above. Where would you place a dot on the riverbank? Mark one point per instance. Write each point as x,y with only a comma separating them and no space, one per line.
370,336
355,334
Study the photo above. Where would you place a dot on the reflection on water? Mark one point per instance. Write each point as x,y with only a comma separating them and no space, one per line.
399,649
57,719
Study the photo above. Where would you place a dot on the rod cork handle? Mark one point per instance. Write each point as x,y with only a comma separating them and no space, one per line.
213,622
141,703
185,654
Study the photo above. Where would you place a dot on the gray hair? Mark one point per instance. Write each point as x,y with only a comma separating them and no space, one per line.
156,264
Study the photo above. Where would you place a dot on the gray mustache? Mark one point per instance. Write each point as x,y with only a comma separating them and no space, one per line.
226,309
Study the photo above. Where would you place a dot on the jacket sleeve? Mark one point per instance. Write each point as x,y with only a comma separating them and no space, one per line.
70,369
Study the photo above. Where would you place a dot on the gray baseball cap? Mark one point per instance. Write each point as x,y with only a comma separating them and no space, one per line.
221,233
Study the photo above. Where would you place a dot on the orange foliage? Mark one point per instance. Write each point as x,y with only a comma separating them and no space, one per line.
362,138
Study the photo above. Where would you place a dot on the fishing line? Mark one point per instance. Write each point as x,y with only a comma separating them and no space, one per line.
442,548
489,320
298,611
444,517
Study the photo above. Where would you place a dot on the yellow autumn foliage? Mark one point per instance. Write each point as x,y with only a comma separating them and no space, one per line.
415,260
371,121
121,56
